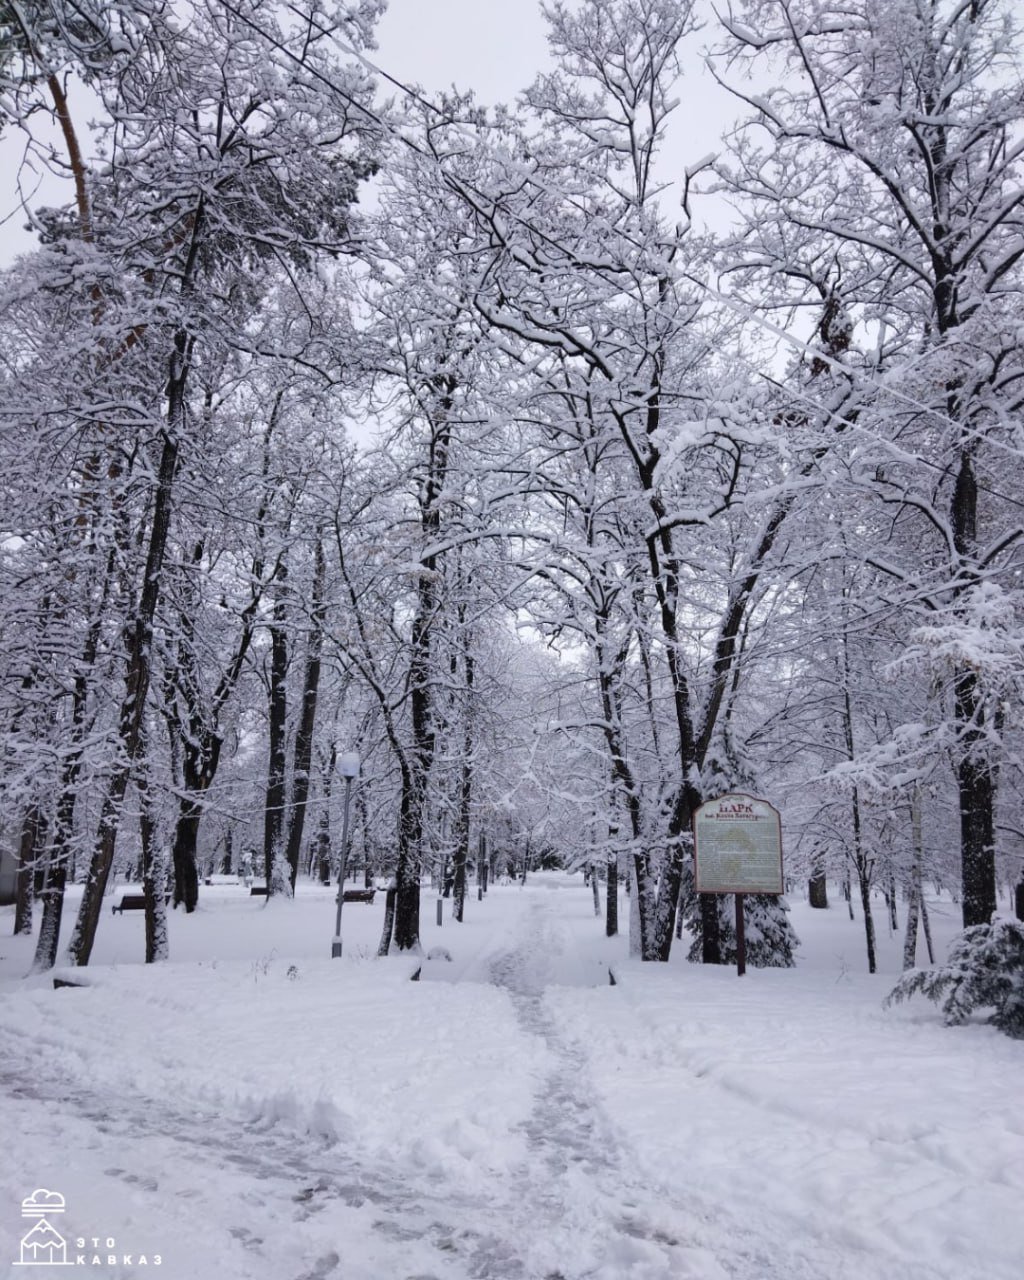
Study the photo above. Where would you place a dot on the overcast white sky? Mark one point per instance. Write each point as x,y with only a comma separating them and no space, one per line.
491,46
495,47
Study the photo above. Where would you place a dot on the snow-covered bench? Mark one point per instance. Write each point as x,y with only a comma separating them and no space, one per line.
358,895
132,902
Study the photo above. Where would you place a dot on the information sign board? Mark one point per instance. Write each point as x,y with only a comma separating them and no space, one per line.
737,842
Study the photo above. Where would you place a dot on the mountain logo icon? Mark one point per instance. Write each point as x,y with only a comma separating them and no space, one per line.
43,1246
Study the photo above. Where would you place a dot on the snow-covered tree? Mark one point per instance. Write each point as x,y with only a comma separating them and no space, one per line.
887,148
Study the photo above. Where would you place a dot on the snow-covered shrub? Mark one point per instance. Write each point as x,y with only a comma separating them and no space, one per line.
770,938
985,970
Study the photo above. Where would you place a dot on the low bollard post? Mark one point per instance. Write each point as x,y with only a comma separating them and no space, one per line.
440,911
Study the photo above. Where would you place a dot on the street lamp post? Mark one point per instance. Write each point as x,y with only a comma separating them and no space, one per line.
348,767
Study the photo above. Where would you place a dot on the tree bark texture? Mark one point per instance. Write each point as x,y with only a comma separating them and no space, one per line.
307,719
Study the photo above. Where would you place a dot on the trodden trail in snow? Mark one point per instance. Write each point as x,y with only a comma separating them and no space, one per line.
569,1213
303,1209
290,1205
580,1211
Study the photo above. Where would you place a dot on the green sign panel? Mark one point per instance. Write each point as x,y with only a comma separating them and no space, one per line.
737,843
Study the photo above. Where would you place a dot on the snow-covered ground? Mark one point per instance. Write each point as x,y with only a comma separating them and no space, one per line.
254,1110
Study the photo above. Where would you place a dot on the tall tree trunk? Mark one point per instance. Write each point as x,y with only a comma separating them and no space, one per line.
406,936
417,768
274,809
636,929
154,874
862,863
890,901
914,885
817,888
926,925
460,852
710,929
307,719
29,847
976,785
183,853
323,835
865,867
611,898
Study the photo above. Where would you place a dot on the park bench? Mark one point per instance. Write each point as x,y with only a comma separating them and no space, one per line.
258,891
132,902
358,895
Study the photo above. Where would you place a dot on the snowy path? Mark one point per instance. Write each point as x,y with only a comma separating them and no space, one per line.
584,1212
577,1212
508,1117
567,1212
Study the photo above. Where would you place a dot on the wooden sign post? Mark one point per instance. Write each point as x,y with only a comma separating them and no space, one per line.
737,848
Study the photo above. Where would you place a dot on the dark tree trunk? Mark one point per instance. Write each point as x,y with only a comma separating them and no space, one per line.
865,867
927,926
58,854
183,855
679,910
974,770
417,767
323,835
817,886
154,877
914,886
406,935
611,900
29,848
274,808
53,911
710,929
864,880
977,806
890,901
307,719
460,854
